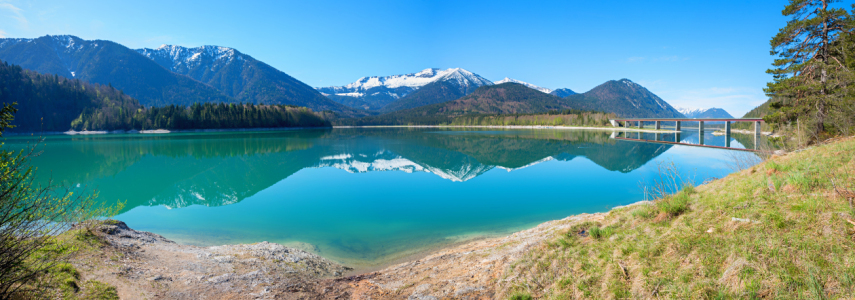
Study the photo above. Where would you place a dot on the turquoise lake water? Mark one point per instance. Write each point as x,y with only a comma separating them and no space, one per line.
364,196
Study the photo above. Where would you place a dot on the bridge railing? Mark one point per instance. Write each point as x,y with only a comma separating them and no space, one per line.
639,122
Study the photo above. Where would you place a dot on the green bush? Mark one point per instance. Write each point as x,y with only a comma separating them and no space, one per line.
599,233
520,296
674,205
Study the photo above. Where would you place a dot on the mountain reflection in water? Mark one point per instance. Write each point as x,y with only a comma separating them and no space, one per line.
295,194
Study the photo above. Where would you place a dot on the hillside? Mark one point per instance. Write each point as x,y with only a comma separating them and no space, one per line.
107,63
624,98
758,112
55,103
50,102
506,98
432,93
241,77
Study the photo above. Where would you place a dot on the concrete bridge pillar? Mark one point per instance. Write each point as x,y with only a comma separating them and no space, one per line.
626,124
756,134
640,125
678,126
701,126
657,125
727,134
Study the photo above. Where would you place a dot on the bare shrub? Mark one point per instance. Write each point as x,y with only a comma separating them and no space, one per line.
31,216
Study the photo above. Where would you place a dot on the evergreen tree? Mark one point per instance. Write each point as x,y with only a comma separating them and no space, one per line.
808,76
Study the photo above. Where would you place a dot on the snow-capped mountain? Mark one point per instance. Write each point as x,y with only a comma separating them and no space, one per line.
377,91
240,76
181,59
414,80
703,113
542,89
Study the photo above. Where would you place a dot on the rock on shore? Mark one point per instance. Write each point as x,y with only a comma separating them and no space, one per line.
147,265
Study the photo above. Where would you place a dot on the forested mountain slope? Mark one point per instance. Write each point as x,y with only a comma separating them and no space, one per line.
241,77
107,63
626,99
55,103
506,98
51,102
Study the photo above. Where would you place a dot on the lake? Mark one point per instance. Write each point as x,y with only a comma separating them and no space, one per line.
364,197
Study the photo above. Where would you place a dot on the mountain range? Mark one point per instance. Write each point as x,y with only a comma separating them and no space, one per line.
167,75
505,98
181,75
395,95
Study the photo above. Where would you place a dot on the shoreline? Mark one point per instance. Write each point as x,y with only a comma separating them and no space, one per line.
166,131
158,131
155,267
514,127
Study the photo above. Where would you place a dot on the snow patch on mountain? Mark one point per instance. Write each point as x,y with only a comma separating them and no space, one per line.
542,89
712,112
690,112
191,57
459,76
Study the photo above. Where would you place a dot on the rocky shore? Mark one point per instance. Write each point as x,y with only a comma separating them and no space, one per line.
146,265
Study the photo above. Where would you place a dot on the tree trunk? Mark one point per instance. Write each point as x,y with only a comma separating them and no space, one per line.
820,106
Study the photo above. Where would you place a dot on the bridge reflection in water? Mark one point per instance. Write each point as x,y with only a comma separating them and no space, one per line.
748,142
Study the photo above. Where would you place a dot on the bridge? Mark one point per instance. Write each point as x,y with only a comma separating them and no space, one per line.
657,123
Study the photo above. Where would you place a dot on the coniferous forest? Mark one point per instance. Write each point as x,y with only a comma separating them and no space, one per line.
51,102
55,103
198,116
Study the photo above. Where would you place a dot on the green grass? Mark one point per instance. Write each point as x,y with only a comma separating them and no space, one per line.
63,278
798,243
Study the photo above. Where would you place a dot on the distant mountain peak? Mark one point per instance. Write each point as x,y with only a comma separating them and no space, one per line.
416,80
508,79
376,92
702,113
563,92
626,99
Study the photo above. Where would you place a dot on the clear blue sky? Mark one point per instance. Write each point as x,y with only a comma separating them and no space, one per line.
690,53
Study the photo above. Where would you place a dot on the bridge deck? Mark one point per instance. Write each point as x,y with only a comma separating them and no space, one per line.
688,120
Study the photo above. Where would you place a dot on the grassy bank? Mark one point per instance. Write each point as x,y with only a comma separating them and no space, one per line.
70,251
776,230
